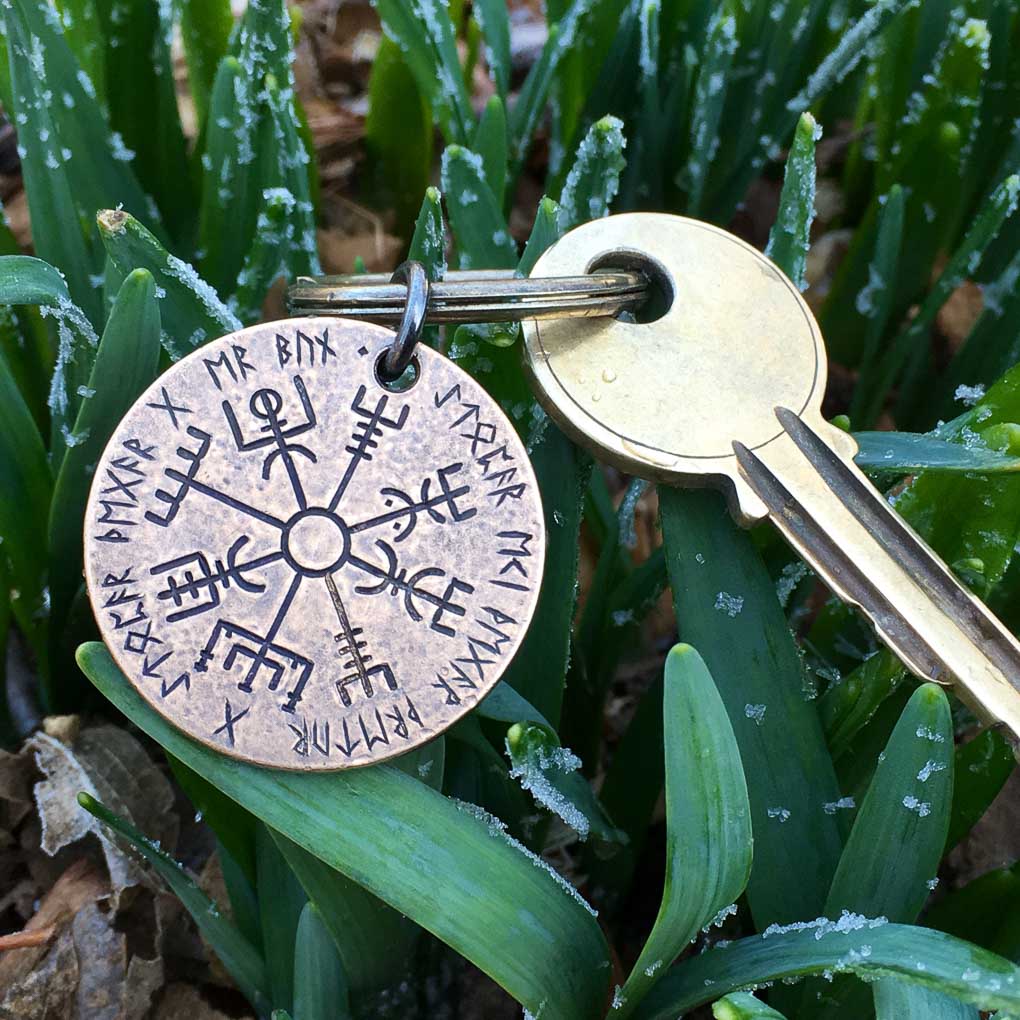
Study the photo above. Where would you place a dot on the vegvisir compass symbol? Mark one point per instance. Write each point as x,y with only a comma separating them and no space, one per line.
319,567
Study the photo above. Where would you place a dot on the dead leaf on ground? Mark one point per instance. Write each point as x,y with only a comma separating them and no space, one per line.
108,763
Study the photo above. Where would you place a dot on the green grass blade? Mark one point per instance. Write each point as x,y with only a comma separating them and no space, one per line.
490,143
984,911
85,25
393,835
494,21
282,899
790,234
869,948
126,362
896,1000
534,93
205,30
708,820
240,959
25,493
428,246
138,52
758,668
847,707
425,36
398,135
320,985
743,1006
373,940
190,309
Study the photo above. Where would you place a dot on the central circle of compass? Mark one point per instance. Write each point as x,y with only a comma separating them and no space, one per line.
315,542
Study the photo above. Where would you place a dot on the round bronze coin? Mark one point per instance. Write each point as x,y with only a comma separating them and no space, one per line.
303,567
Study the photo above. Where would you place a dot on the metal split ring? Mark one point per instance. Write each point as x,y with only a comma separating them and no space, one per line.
466,296
412,317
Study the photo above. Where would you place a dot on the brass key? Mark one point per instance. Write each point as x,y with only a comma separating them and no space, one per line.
725,389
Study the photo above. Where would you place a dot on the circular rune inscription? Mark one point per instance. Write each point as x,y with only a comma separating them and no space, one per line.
302,568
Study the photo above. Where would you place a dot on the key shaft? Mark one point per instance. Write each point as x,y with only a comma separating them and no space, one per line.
870,557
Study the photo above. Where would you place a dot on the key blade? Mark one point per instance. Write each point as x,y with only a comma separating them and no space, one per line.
870,557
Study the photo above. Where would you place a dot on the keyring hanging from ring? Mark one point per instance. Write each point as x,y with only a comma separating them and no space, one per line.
416,304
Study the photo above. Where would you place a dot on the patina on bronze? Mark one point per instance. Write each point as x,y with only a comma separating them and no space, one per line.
303,566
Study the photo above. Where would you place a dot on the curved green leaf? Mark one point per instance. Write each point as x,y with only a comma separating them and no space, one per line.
708,820
394,836
911,452
743,1006
870,948
726,606
896,1000
493,19
320,985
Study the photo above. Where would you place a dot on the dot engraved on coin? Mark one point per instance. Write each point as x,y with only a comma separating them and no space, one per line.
303,568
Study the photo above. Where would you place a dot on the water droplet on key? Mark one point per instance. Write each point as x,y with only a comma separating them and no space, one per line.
596,397
608,375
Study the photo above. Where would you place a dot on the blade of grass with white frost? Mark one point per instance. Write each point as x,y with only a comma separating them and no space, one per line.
52,204
534,93
30,281
99,162
428,246
244,964
594,176
290,174
490,143
551,774
493,19
790,236
874,301
281,899
898,836
426,38
266,258
190,309
743,1006
707,102
868,947
642,187
84,29
726,606
896,1000
912,452
393,835
126,361
708,821
320,984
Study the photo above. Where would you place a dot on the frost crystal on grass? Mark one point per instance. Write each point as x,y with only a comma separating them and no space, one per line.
929,769
922,807
720,917
927,733
595,174
755,712
533,773
843,804
497,828
969,395
783,814
729,604
791,575
846,923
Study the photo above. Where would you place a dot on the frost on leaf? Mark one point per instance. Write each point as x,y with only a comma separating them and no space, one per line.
110,765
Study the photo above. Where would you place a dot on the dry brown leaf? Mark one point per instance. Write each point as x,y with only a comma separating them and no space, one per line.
81,884
183,1002
112,766
47,992
102,963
